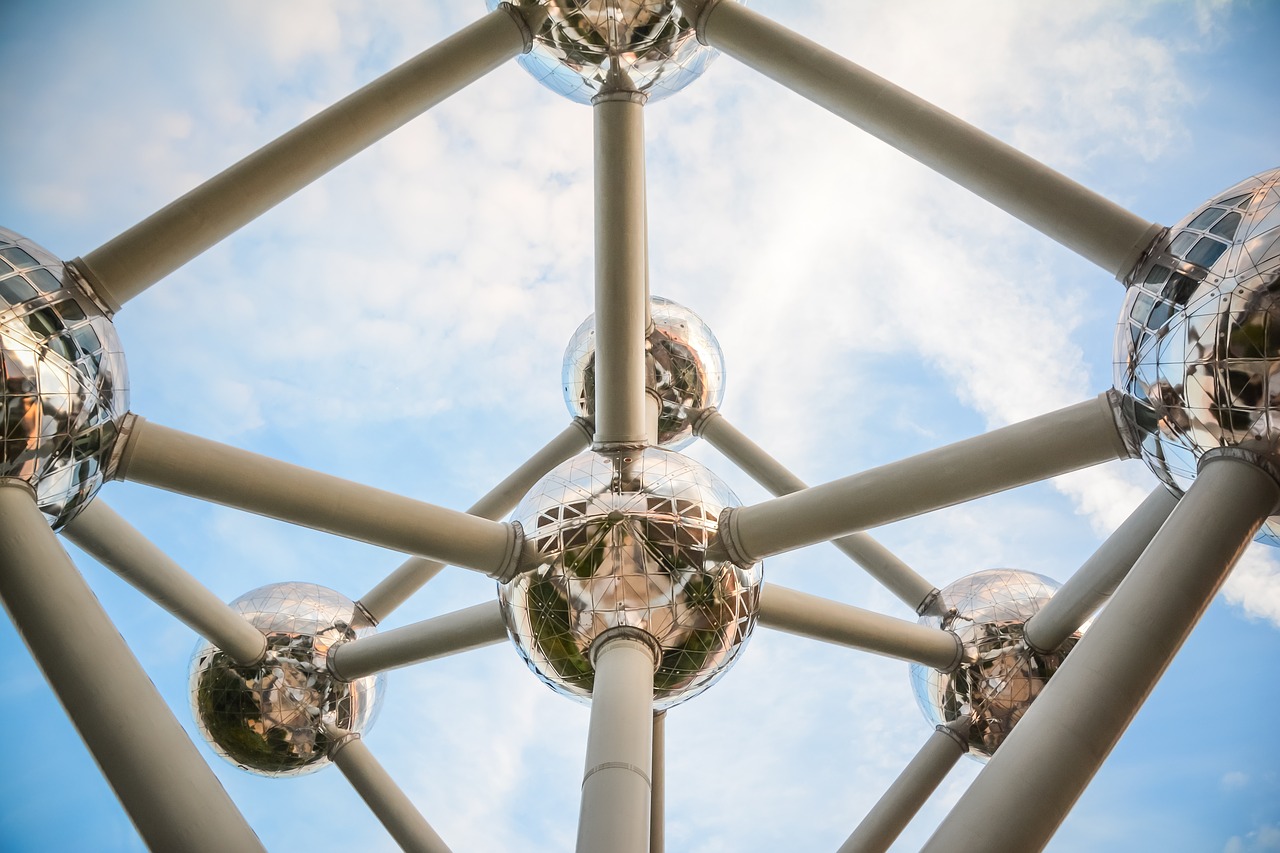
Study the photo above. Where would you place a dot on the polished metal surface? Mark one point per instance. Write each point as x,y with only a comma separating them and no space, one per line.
622,539
585,47
66,388
277,718
686,360
1195,350
1000,675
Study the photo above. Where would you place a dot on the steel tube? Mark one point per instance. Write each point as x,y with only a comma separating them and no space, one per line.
126,265
1042,447
616,784
1014,804
112,541
1075,216
411,575
169,792
658,773
807,615
385,799
460,631
910,791
1095,581
168,459
621,288
878,561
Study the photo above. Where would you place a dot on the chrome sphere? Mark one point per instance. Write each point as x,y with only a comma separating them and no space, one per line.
275,718
66,389
1001,674
622,539
1195,352
687,363
585,47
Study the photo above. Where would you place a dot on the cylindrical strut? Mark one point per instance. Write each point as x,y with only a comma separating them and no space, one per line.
165,786
125,266
616,785
117,545
1017,802
1075,216
621,290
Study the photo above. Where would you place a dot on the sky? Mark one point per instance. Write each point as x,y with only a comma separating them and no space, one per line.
402,321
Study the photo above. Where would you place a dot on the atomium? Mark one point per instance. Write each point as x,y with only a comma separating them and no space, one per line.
66,388
1000,674
686,366
279,717
1198,343
621,539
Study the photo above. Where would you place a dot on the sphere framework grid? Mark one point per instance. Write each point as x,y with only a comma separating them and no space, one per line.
628,576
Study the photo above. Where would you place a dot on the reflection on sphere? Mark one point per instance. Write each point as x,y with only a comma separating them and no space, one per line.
1198,342
686,360
622,539
588,46
66,388
1001,674
275,718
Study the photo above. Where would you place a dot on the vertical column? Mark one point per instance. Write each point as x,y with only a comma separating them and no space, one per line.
1035,777
616,785
658,809
621,294
169,792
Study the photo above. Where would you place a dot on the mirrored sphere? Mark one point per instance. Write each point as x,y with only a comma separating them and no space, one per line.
1001,674
66,388
275,718
1195,350
687,362
622,539
585,47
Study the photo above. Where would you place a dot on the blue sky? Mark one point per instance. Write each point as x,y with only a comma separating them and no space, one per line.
402,321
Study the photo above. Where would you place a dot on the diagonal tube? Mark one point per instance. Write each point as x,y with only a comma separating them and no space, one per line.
125,266
1095,581
396,588
383,796
911,790
819,618
1066,440
880,563
167,789
112,541
1015,806
460,631
1075,216
189,465
621,286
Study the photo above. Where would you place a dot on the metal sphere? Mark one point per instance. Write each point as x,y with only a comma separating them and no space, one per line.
1195,350
687,364
585,47
622,539
276,718
1000,675
66,388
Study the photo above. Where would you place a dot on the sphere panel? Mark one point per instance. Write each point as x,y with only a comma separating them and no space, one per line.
276,718
585,47
1198,343
686,363
622,540
1001,675
66,388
